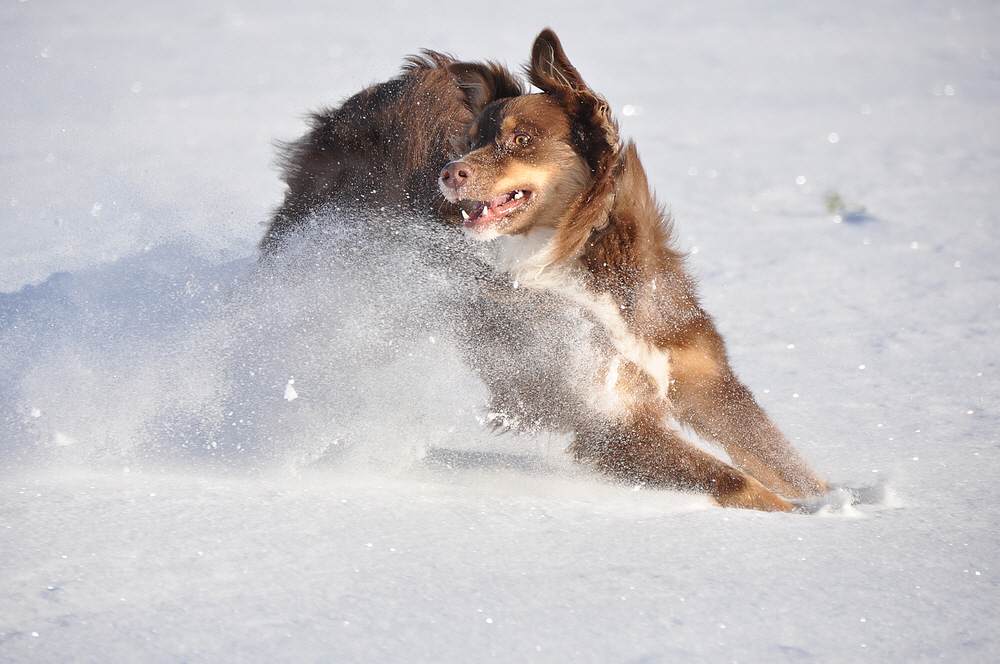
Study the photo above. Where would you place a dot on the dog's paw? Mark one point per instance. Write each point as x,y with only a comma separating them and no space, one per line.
839,498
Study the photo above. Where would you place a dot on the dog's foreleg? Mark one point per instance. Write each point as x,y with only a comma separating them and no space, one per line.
645,451
710,399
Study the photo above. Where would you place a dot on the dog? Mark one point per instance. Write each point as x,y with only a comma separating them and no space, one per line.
582,317
566,202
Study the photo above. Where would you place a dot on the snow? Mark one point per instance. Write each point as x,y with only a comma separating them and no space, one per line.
202,465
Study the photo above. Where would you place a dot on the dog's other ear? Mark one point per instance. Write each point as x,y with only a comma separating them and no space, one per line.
594,131
594,134
550,70
483,83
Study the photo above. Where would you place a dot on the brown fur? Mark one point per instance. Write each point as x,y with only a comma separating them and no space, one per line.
583,230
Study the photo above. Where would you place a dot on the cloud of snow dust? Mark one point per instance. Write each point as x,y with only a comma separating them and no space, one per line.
340,353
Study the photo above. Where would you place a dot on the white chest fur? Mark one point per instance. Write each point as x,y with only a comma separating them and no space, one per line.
524,258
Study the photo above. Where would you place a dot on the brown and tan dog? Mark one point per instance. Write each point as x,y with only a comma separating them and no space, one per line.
573,219
583,318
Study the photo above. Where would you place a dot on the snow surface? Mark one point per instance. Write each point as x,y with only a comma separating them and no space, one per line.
198,465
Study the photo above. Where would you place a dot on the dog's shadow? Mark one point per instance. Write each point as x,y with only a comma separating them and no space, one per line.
442,460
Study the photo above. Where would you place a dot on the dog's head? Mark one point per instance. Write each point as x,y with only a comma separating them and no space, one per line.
537,160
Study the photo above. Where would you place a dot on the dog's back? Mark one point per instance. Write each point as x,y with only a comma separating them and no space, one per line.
382,149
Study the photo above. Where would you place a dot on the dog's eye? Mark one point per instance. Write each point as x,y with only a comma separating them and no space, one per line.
522,139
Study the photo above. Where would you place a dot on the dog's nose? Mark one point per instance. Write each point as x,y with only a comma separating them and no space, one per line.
455,174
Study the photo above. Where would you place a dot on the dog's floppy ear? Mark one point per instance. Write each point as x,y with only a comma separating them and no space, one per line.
594,130
550,70
483,83
594,134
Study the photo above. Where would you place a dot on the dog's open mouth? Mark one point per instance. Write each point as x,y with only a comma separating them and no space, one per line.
478,213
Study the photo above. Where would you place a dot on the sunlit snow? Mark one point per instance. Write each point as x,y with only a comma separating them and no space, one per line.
202,462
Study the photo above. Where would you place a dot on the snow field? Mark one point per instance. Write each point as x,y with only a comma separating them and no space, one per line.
140,521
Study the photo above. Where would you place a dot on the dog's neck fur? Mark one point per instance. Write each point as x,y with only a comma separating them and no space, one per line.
631,244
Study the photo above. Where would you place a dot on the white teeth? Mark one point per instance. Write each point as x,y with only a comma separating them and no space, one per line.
465,215
518,194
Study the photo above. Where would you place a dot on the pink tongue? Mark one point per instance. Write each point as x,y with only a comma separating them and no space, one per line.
500,200
486,210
